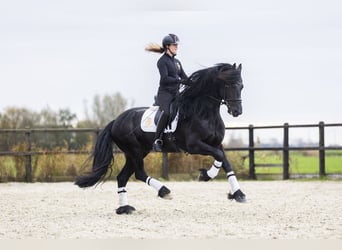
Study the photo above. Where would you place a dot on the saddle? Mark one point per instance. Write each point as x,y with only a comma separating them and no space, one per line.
151,117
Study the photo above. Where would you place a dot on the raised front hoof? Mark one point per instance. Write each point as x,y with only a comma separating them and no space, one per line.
164,193
203,176
238,196
125,210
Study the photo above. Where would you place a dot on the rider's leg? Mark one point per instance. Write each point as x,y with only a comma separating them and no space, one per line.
158,142
164,99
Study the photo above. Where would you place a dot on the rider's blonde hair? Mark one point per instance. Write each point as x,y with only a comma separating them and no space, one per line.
153,47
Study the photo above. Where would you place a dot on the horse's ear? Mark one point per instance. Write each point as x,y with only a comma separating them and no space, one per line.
239,67
234,66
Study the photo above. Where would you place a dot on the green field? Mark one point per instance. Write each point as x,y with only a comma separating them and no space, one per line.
306,162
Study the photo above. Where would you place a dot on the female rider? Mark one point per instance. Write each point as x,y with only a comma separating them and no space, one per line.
171,76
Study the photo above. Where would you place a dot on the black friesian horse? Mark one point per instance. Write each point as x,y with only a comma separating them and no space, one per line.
200,130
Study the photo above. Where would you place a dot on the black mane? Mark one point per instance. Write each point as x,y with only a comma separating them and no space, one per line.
203,87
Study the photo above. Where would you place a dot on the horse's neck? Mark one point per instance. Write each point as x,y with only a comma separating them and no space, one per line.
208,127
209,112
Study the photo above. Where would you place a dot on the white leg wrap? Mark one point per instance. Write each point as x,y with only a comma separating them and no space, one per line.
123,201
154,183
234,185
215,168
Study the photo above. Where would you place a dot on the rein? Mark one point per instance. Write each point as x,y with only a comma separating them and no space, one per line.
216,99
224,100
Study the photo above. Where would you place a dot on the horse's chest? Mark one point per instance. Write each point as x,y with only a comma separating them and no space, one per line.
213,130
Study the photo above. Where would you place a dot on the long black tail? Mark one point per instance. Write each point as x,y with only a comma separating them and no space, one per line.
103,158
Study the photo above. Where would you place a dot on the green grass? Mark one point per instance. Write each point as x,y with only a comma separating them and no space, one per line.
181,166
306,162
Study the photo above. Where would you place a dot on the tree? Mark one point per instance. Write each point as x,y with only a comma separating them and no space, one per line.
106,108
65,117
48,118
14,118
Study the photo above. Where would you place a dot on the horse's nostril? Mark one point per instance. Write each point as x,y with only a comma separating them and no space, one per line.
236,113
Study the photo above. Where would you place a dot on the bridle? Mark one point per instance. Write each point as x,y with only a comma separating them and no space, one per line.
225,100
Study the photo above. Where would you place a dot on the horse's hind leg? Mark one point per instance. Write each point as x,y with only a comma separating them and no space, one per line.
122,180
141,175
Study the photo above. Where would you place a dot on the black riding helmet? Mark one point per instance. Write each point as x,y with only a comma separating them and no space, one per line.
170,39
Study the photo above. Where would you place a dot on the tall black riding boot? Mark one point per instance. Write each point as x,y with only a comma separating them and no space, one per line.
158,142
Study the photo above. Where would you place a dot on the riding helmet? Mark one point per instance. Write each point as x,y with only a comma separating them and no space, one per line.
170,39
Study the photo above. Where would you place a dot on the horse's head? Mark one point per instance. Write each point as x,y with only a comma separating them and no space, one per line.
221,84
229,78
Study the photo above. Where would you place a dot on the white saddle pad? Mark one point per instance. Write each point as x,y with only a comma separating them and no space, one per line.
147,121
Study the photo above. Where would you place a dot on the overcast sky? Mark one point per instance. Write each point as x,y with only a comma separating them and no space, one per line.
59,54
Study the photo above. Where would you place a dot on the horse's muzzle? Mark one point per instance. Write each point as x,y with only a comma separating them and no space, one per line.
235,111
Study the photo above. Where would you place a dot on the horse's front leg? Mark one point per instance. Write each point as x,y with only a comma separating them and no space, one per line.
220,161
236,192
207,175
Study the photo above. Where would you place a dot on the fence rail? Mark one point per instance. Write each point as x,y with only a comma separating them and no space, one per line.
251,148
28,153
286,148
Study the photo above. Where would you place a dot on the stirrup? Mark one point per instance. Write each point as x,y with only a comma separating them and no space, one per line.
159,142
157,145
